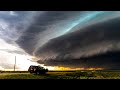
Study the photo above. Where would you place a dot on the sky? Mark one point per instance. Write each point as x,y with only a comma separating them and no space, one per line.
71,39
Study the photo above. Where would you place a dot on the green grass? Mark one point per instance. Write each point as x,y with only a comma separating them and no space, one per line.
63,75
18,76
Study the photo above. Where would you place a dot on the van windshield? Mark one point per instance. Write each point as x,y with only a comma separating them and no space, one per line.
41,67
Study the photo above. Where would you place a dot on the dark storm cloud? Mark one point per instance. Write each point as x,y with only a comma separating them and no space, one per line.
42,28
89,41
63,38
52,24
13,25
107,60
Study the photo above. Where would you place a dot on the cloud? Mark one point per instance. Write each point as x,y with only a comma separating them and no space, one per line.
13,51
60,37
90,41
53,24
7,60
12,26
46,26
107,60
13,13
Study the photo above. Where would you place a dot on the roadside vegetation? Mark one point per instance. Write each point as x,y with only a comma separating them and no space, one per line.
63,75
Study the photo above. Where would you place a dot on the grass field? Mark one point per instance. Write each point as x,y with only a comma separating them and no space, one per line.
63,75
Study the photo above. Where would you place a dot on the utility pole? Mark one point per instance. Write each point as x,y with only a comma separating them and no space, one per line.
15,63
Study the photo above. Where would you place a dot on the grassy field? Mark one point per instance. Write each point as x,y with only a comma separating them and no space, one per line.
63,75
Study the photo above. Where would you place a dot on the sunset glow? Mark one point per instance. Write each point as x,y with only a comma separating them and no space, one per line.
67,68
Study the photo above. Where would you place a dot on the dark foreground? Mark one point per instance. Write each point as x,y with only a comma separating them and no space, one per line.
113,74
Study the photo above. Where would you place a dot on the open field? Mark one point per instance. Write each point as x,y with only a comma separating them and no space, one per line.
62,75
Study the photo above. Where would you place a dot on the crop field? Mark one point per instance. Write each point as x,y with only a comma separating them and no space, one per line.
113,74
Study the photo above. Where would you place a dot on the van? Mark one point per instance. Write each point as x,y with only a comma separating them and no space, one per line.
37,69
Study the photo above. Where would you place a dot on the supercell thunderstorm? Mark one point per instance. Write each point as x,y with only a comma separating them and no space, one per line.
61,38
